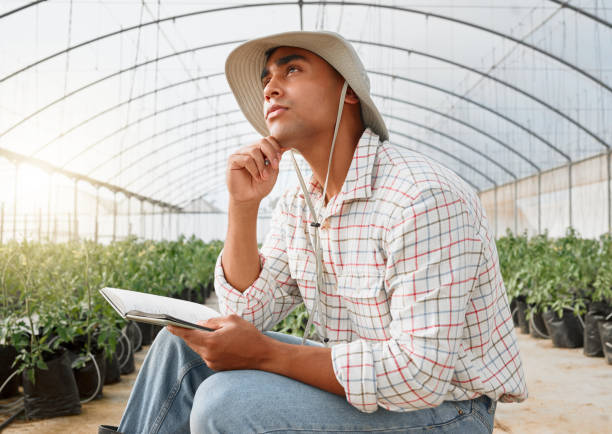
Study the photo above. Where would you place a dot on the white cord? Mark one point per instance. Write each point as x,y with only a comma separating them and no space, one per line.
129,348
7,380
315,223
93,359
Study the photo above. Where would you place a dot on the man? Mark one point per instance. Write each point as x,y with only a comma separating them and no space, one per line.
390,252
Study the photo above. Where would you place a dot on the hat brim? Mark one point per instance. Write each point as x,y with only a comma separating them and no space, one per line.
244,65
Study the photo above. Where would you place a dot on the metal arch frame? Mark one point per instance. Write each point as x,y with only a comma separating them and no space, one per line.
219,44
114,74
14,156
215,185
482,106
179,140
464,123
495,79
20,8
199,157
170,108
300,3
158,134
433,130
122,103
566,4
453,157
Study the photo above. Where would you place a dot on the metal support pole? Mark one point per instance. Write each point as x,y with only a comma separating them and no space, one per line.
55,228
50,194
496,210
569,190
69,227
115,216
301,4
539,203
515,207
39,225
76,211
97,223
609,192
129,201
25,227
15,202
152,221
2,223
142,220
177,218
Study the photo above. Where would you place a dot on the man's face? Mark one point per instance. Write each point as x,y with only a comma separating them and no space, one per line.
301,92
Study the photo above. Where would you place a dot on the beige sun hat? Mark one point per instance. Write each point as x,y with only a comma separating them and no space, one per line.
244,65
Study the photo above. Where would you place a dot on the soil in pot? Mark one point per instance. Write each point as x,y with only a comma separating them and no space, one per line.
592,340
111,371
565,331
537,327
605,332
90,378
522,316
7,358
54,391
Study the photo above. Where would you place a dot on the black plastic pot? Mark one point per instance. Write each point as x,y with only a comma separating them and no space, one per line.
134,333
155,329
537,327
522,316
125,355
146,331
7,358
54,391
592,340
605,332
514,312
565,331
111,371
88,382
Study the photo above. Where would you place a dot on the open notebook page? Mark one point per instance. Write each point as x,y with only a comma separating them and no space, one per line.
125,301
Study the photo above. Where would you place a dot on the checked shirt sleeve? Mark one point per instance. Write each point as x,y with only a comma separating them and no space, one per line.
273,294
433,255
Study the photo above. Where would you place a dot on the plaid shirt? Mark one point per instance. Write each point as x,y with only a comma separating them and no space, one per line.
414,304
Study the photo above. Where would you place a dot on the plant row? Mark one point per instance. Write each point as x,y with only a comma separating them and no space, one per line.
52,313
560,287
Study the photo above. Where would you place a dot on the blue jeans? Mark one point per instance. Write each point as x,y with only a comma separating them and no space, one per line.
176,392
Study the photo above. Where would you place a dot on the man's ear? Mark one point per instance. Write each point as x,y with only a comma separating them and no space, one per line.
351,97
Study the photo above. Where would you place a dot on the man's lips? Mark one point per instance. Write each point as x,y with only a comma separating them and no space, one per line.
275,110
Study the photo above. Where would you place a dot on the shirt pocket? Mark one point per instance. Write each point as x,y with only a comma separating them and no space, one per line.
366,301
303,269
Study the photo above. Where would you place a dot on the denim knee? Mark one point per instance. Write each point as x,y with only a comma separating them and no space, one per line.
213,404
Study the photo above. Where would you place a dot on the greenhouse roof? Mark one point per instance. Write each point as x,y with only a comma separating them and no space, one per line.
132,97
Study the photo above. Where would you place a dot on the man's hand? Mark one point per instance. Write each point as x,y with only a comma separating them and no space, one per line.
249,179
235,343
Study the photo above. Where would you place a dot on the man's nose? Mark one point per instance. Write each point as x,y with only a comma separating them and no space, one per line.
272,89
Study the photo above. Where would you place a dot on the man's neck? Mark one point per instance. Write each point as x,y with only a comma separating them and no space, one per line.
316,153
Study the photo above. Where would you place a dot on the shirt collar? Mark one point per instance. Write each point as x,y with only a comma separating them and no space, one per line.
357,183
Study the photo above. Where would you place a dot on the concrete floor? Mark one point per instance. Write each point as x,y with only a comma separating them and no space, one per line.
568,393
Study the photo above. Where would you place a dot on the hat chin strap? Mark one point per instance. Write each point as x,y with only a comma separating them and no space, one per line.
315,219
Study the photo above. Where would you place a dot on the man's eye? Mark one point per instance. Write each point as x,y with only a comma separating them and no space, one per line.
292,68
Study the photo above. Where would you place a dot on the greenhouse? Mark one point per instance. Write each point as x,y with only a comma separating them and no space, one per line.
122,128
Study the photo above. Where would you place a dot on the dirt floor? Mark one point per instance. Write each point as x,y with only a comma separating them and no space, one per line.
568,393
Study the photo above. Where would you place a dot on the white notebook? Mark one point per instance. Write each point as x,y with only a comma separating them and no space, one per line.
157,309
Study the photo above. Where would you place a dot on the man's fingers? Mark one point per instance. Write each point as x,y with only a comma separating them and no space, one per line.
241,161
212,323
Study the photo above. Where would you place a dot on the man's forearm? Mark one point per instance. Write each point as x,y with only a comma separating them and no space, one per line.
308,364
240,258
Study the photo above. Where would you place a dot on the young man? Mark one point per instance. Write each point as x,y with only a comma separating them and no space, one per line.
390,252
